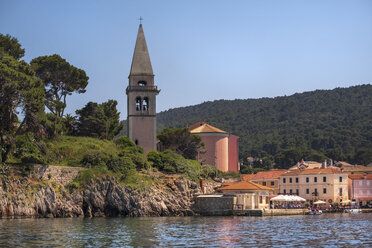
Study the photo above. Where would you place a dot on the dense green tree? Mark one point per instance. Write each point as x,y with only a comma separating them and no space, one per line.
335,123
9,45
182,141
70,124
99,120
363,156
20,91
61,79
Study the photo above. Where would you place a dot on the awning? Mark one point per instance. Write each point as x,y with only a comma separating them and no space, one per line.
288,198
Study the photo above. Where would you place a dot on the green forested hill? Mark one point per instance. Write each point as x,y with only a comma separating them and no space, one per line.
323,123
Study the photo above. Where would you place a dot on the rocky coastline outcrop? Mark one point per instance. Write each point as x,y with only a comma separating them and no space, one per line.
34,195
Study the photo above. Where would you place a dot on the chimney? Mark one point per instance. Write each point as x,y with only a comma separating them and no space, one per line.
324,164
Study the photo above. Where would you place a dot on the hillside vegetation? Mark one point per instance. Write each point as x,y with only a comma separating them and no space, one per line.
323,123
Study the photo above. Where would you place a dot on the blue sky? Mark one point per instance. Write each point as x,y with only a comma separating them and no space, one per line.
201,50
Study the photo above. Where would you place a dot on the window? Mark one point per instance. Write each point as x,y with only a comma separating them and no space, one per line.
340,179
296,179
260,199
360,192
324,179
324,190
340,190
283,180
307,179
136,141
138,103
145,104
367,183
360,183
290,180
264,183
297,192
272,183
142,83
315,179
316,192
290,192
368,192
307,191
285,191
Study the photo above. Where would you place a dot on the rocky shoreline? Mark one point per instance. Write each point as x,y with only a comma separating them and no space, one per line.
30,196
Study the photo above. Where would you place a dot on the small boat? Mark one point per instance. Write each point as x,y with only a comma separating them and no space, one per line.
314,212
353,210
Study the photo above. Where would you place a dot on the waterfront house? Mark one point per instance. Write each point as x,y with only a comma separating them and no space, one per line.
360,189
222,147
249,195
326,184
266,178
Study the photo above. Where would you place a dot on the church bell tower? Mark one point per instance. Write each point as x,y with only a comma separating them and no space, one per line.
141,97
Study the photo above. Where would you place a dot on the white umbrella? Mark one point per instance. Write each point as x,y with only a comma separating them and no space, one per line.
299,198
319,202
279,198
287,198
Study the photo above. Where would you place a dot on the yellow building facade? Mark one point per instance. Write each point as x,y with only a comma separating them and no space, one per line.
328,184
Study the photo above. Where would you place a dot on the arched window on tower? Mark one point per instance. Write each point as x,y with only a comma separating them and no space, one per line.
142,83
145,104
138,103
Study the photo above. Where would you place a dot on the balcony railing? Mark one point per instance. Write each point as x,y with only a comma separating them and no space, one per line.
142,88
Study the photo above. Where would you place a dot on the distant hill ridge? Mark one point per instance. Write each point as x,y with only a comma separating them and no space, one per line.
334,122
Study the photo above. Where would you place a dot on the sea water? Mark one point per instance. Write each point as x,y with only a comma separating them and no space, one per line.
327,230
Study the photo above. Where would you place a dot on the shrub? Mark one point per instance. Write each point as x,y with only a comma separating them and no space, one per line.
85,176
171,162
95,158
228,174
124,142
136,156
209,171
32,159
121,165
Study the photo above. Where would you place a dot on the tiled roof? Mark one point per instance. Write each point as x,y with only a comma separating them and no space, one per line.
202,127
360,176
360,168
307,164
272,174
245,186
313,171
247,177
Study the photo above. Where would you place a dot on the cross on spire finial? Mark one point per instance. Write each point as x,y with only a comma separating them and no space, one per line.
140,19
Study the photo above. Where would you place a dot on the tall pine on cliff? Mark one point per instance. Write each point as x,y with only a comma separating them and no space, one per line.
335,123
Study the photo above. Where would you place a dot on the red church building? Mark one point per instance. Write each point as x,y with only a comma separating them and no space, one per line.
222,147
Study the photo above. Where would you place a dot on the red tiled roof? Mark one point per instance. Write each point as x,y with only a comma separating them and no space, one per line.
245,186
313,171
356,168
247,177
202,127
272,174
360,176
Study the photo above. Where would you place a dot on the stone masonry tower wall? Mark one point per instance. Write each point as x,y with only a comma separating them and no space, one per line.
141,97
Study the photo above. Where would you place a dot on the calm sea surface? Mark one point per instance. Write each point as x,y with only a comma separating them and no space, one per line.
327,230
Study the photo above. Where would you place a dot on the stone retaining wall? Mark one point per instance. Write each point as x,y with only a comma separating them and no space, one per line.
59,174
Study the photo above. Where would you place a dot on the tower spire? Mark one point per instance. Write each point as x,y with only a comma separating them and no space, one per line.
141,64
